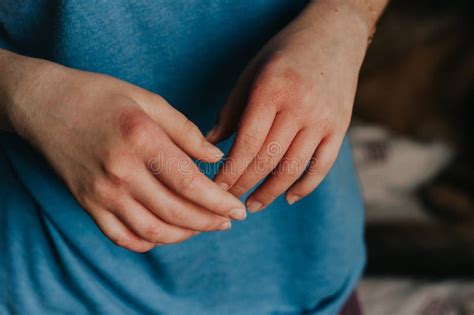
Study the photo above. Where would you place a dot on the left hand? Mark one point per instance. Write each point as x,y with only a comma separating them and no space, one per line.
292,106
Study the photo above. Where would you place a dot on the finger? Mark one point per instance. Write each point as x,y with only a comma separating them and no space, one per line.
277,143
179,173
146,225
231,112
254,127
189,138
171,208
320,164
118,233
179,128
286,173
175,168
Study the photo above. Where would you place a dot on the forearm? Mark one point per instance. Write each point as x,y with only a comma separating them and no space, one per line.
372,9
16,72
368,10
365,13
340,28
20,79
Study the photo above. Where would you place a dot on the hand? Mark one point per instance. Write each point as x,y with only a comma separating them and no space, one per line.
124,154
292,106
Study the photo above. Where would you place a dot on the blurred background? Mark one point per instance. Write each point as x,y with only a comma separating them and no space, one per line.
413,145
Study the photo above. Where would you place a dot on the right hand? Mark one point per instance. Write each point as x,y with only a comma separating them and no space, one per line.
123,152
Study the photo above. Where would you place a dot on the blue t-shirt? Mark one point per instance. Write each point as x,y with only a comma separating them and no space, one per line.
305,258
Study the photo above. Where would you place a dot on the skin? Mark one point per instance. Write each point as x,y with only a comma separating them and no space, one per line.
292,105
125,153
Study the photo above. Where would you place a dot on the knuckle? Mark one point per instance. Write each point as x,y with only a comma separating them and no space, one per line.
266,195
261,88
291,167
116,167
153,232
249,142
102,190
186,182
138,135
178,215
188,128
266,91
324,122
135,127
238,190
281,85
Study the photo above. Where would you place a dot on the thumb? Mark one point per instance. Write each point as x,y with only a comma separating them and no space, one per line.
226,124
230,114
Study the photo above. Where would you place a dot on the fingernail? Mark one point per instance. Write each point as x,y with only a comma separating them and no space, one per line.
213,150
254,206
291,199
225,226
224,186
196,233
238,214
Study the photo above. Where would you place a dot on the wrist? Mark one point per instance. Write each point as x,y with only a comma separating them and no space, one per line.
20,87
